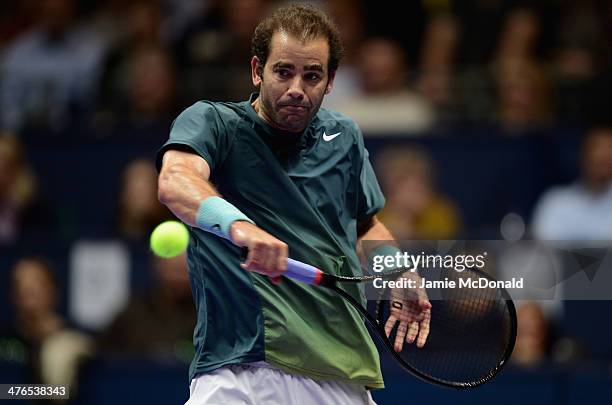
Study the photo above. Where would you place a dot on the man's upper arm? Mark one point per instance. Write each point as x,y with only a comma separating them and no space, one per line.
185,161
199,130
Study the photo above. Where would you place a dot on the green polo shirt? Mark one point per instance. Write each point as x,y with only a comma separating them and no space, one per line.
308,190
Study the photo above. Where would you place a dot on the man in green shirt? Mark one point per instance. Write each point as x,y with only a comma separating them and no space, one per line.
283,177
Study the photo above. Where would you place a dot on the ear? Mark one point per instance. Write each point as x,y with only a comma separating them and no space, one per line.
256,70
330,82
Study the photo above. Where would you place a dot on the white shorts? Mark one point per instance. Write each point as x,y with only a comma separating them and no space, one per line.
260,383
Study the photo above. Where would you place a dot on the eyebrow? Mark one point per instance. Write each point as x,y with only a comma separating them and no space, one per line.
285,65
317,67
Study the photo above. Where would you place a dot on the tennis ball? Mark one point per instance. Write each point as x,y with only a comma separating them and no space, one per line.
169,239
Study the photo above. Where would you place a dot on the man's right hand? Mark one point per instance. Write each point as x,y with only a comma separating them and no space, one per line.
267,255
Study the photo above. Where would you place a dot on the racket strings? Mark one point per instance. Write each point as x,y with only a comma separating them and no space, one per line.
469,334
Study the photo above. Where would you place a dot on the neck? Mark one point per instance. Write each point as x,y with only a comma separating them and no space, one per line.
261,113
596,186
37,327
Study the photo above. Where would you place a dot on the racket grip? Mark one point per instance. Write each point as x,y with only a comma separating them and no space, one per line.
296,270
303,272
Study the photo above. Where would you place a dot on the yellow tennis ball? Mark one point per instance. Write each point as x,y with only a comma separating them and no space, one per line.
169,239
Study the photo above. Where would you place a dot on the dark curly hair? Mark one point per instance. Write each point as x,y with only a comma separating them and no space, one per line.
301,21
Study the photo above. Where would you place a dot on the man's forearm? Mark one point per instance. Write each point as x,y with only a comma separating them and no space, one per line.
182,191
377,234
185,190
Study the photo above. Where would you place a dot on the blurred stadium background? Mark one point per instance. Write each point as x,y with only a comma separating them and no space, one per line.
472,110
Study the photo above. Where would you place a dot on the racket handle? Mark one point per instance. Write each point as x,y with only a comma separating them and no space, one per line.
303,272
296,270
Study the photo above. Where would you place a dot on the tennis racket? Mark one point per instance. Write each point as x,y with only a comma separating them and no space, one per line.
472,331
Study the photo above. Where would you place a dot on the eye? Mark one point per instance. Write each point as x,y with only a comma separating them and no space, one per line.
284,73
313,77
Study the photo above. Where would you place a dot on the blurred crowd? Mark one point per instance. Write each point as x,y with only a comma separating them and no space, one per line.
99,69
101,63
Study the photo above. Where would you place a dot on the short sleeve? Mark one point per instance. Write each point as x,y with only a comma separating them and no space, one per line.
200,129
371,199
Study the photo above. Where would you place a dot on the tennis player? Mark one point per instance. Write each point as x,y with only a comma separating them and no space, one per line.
283,177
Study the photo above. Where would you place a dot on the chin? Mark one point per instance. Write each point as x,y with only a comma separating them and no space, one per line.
296,126
293,125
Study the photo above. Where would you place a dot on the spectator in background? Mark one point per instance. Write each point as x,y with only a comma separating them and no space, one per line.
480,23
582,210
109,15
437,66
145,100
349,15
521,86
384,19
523,101
152,89
533,344
51,350
139,26
414,209
137,87
105,20
159,325
21,210
577,59
212,51
49,72
519,36
512,91
384,104
538,340
179,14
139,209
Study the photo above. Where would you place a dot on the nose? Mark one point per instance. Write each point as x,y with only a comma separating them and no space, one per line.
296,88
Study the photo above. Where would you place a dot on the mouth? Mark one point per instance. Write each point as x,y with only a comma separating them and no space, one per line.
295,109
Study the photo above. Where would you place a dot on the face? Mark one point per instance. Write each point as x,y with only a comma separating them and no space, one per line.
532,330
152,83
140,188
381,67
33,290
597,157
293,82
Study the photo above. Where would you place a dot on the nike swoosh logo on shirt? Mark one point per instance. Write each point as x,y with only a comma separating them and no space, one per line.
328,138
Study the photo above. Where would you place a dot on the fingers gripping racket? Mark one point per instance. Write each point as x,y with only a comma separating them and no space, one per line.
471,331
